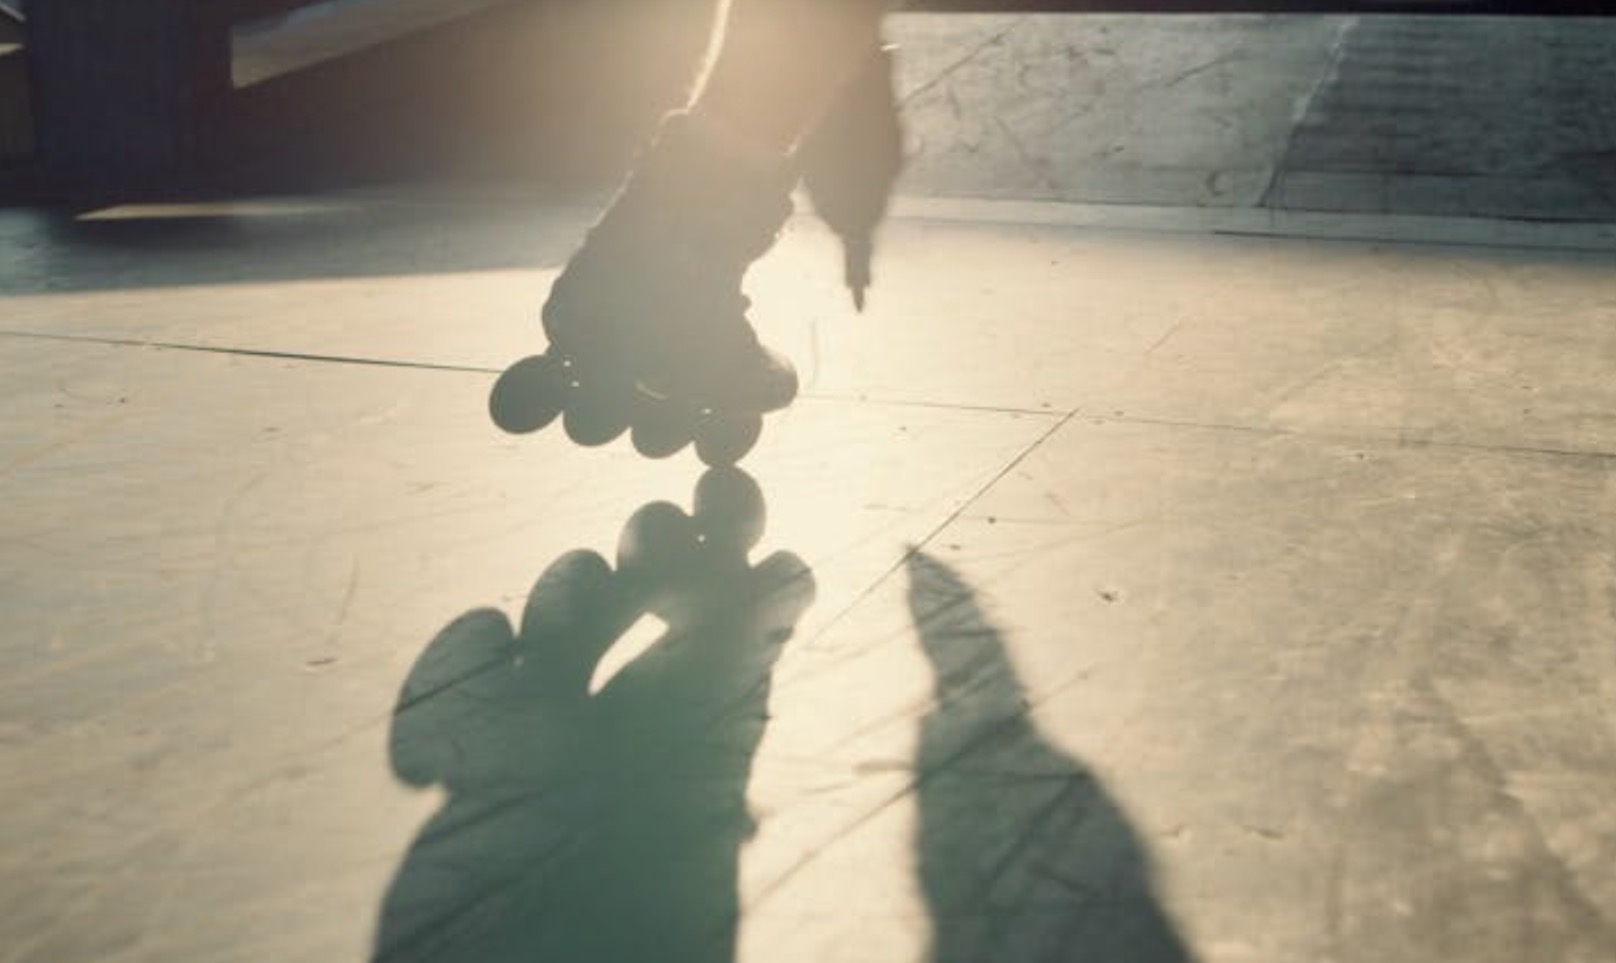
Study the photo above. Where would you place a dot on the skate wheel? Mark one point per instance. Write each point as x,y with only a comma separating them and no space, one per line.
527,396
660,428
729,510
724,439
658,543
596,413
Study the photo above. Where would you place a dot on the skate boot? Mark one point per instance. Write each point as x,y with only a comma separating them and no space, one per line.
647,324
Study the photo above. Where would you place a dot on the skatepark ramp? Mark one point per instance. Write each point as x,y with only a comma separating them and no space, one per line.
263,48
271,92
406,86
278,88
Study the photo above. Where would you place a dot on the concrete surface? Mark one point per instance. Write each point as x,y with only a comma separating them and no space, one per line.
1158,583
1464,116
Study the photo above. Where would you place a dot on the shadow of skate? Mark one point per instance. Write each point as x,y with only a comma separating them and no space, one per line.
1023,854
596,822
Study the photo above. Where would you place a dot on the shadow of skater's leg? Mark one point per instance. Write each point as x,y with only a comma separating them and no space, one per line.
1023,854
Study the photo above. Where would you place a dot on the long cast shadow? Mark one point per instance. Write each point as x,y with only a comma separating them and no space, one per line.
1023,853
602,825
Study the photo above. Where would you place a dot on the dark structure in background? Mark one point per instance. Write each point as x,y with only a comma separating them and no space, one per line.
139,96
124,84
16,122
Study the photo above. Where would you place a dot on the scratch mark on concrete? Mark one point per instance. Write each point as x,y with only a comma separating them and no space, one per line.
1200,69
970,55
1028,161
1166,336
346,607
40,452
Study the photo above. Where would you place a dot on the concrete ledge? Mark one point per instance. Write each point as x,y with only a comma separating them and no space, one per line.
1262,222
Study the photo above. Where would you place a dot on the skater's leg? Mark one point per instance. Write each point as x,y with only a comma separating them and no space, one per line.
810,76
780,62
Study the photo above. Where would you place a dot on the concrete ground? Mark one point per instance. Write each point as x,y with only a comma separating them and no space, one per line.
1215,569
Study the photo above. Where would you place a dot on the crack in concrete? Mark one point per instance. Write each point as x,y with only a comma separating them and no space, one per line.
1338,47
943,75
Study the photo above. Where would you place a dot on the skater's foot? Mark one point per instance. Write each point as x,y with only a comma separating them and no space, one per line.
655,290
739,375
